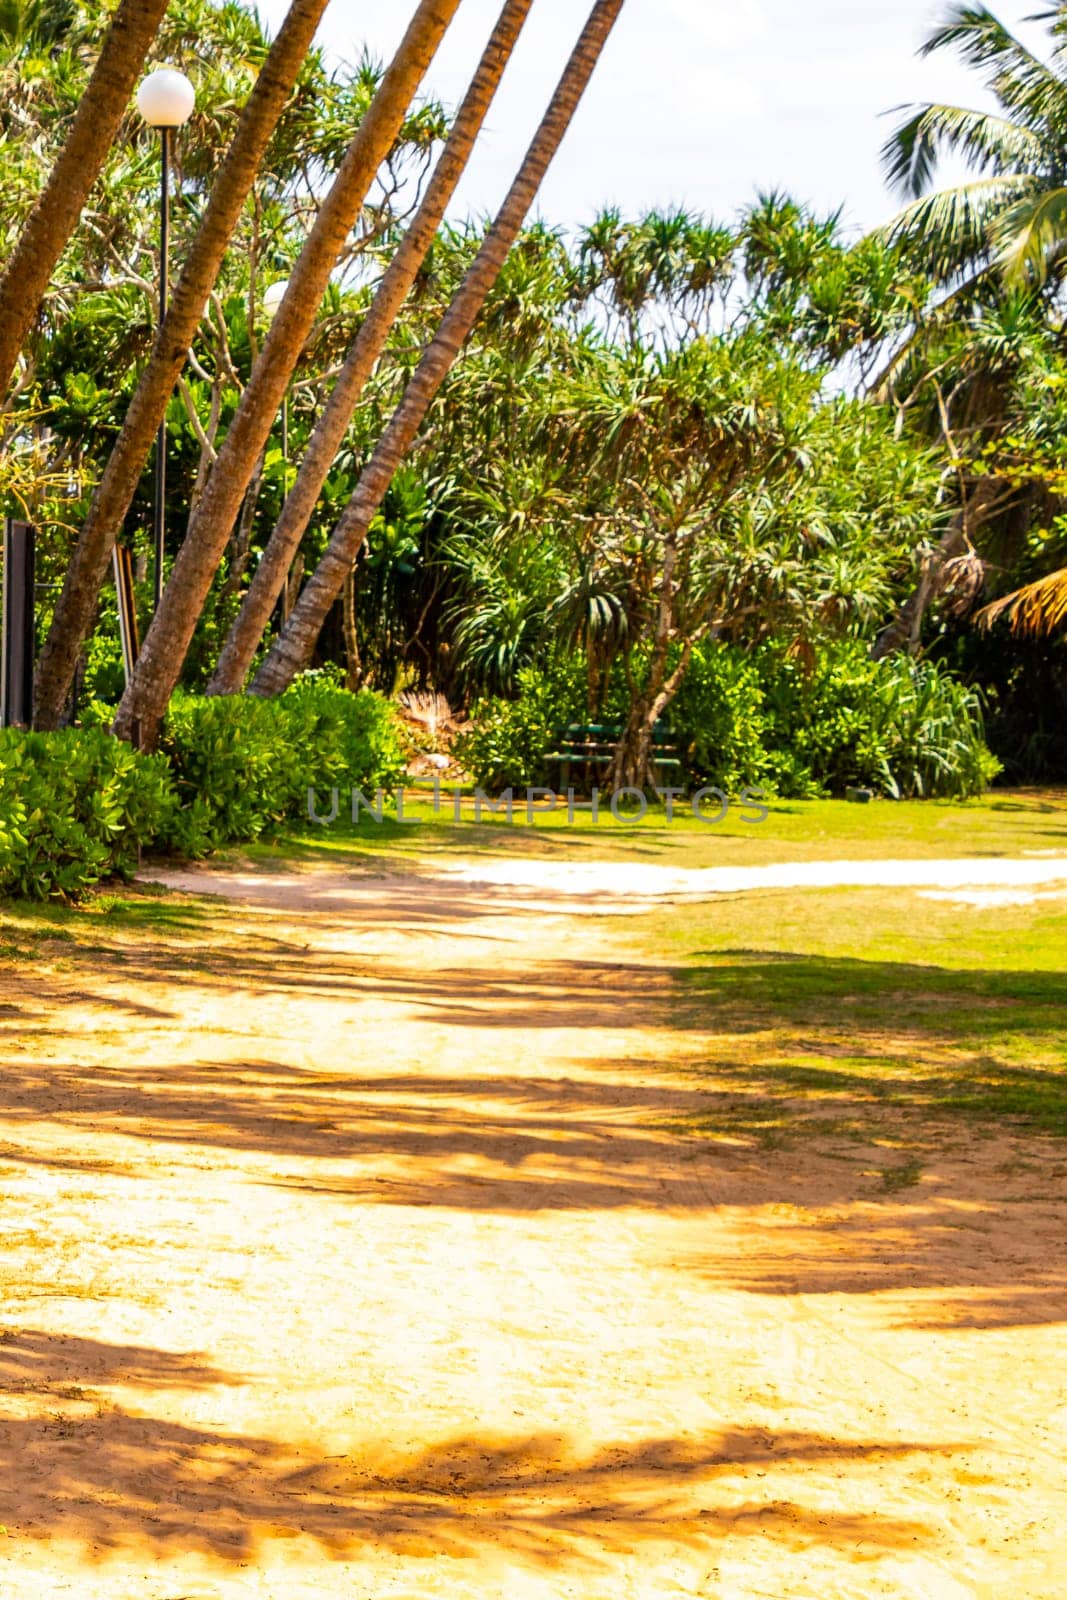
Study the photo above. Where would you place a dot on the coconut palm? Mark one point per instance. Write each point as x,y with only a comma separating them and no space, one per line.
1011,216
1035,611
76,606
52,221
248,626
167,641
294,647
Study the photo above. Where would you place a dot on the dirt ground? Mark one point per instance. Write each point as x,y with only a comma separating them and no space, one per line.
349,1252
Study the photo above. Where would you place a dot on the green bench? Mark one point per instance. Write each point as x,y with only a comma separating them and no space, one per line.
590,747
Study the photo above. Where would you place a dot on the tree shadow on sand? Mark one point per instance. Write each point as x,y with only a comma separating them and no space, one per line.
85,1468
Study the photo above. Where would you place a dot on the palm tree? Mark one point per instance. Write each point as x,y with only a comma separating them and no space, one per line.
1011,217
248,626
54,217
76,606
293,649
167,641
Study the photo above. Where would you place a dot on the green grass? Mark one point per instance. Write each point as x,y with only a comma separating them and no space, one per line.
1001,824
848,1010
30,930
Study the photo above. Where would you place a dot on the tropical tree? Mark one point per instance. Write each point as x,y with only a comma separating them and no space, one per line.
159,665
292,650
686,494
1038,609
53,219
329,433
76,606
1011,216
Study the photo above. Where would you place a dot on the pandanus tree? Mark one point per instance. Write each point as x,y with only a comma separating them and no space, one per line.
329,433
53,219
293,649
76,605
167,641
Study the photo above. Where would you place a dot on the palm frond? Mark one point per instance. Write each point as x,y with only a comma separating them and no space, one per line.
910,155
1030,234
952,228
1021,81
1036,610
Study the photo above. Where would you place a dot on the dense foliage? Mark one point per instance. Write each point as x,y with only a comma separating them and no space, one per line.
79,805
243,766
799,728
75,807
755,479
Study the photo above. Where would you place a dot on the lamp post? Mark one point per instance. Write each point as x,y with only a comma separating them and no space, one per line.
273,295
165,100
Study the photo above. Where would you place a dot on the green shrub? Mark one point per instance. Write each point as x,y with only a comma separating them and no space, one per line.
799,728
719,720
243,766
75,807
907,729
508,740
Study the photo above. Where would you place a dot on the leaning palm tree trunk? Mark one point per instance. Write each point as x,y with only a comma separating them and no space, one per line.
54,217
77,603
326,440
167,640
294,646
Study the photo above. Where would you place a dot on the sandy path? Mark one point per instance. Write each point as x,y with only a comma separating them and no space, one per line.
348,1254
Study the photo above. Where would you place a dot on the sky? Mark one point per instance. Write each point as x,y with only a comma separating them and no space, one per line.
699,103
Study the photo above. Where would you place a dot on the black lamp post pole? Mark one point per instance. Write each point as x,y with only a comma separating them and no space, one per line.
158,513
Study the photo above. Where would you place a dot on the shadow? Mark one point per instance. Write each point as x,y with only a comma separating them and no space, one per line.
92,1471
35,1362
753,1080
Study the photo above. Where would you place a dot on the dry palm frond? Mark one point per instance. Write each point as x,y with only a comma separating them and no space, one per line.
1038,609
431,710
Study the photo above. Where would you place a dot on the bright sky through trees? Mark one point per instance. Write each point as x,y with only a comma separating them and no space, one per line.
700,102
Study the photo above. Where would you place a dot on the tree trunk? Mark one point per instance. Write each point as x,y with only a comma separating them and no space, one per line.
353,664
237,172
904,633
251,621
632,765
55,216
167,640
293,648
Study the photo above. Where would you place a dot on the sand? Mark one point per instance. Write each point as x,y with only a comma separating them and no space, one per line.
350,1252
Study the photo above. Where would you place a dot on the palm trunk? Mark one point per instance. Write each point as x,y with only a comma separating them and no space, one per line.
326,440
55,216
294,646
77,603
167,640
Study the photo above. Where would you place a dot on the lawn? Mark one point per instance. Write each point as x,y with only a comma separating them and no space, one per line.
1001,824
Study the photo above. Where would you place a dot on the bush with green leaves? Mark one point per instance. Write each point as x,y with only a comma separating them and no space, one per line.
508,740
76,806
907,729
799,726
243,766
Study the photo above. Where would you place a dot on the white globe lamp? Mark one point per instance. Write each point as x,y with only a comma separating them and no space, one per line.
273,295
166,99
